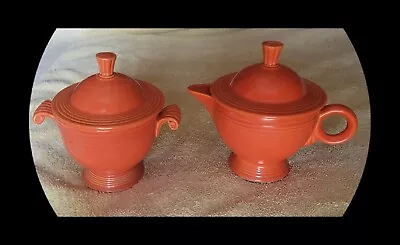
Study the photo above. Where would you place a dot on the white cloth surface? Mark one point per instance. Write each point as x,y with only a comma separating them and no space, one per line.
186,170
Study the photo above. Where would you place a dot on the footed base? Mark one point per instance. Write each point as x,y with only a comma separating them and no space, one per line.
258,171
113,182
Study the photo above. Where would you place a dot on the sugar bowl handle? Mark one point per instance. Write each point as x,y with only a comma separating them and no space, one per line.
170,114
350,130
44,110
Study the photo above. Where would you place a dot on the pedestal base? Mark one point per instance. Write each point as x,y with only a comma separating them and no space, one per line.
112,182
262,171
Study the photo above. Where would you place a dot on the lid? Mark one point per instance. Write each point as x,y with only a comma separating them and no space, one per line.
268,87
107,98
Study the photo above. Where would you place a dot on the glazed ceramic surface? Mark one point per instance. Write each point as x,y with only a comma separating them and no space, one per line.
266,112
108,123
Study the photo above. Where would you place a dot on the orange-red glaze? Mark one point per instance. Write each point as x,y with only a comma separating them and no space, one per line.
108,123
266,112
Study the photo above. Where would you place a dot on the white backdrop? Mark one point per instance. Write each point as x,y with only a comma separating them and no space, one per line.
186,171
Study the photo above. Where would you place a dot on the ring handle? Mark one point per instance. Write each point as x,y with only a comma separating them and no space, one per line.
346,134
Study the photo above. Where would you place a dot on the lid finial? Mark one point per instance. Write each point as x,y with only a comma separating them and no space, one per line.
272,50
106,62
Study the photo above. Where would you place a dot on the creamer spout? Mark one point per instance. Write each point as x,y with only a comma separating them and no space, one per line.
202,93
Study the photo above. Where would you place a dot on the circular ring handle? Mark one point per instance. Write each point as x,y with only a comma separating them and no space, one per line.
346,134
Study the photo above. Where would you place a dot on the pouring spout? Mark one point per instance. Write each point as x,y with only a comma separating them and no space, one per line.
202,93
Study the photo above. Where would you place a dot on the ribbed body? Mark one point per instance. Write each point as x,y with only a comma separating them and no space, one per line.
113,182
266,112
261,145
110,157
108,123
258,171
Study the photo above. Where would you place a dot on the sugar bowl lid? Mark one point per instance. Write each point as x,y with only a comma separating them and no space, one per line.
107,98
268,87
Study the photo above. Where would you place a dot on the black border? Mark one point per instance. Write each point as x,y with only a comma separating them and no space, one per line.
356,215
